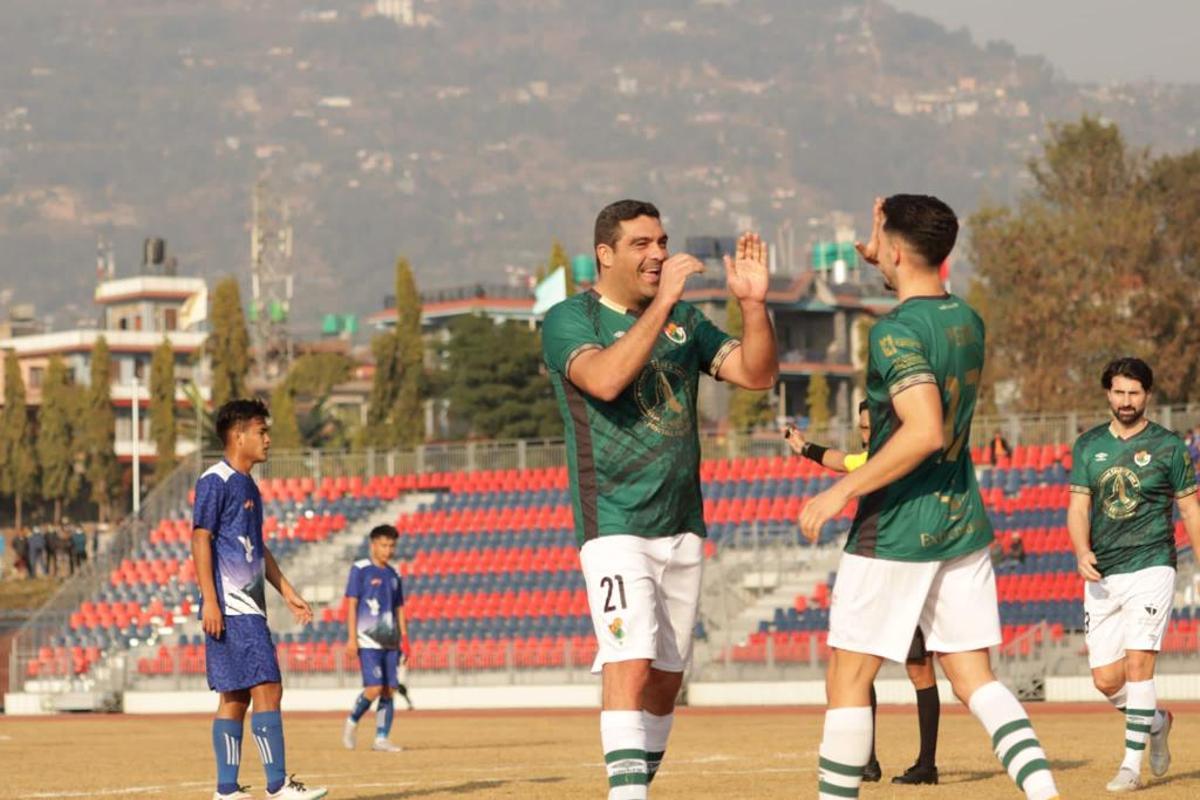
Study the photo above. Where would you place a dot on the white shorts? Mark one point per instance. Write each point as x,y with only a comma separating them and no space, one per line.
877,604
1127,612
644,595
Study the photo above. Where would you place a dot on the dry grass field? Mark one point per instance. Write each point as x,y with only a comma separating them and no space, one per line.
727,753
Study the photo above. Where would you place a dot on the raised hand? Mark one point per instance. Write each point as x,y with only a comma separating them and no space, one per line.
675,272
794,438
870,250
747,275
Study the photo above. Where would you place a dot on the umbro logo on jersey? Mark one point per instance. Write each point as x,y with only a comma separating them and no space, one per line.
1141,458
248,505
1151,610
618,334
1102,456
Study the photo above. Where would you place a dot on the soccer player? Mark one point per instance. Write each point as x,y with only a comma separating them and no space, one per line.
233,564
919,661
917,552
1125,475
625,359
376,628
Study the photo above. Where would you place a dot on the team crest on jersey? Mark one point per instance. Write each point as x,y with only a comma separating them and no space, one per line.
1119,491
675,333
248,505
1141,458
617,629
376,581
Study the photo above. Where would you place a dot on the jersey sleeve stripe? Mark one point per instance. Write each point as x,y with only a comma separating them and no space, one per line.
722,354
911,381
1075,489
1188,492
583,348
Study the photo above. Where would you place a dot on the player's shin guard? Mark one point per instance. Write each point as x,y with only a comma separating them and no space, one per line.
383,717
267,727
1013,740
658,730
623,736
845,749
227,747
1139,716
361,706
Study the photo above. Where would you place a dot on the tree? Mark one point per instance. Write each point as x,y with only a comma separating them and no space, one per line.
285,431
817,401
229,344
1075,274
18,460
495,382
55,446
748,409
408,411
162,408
99,432
558,258
385,387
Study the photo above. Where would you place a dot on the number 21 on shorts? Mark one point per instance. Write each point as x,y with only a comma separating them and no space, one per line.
609,584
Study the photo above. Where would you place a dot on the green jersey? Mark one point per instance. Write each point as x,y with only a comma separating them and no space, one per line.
634,462
935,512
1133,484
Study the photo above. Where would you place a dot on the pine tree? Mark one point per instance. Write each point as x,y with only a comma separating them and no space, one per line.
99,432
162,408
229,344
408,409
18,459
559,258
285,430
379,433
817,400
54,441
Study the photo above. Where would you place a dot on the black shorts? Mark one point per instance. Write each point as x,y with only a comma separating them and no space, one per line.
916,651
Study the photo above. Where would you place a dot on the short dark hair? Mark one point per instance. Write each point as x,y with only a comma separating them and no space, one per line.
925,222
384,532
1128,367
863,406
608,221
237,413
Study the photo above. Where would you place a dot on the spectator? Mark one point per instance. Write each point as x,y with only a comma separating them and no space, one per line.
37,552
3,543
62,537
50,534
78,548
999,448
1016,550
20,548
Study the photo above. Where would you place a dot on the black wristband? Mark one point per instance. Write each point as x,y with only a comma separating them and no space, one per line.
814,452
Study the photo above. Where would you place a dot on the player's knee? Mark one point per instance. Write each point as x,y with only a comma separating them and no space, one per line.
1108,683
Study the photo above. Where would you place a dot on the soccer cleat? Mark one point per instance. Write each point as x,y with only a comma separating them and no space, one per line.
241,793
384,746
348,735
1160,754
295,790
1126,781
918,774
872,773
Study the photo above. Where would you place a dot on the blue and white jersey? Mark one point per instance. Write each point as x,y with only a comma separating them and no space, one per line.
229,507
378,593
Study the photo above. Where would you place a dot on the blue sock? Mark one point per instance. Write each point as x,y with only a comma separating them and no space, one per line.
361,706
383,717
227,746
267,727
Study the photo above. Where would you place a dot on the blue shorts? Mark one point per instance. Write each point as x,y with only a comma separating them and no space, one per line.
242,656
379,667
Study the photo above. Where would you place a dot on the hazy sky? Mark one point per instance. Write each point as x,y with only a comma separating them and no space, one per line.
1089,40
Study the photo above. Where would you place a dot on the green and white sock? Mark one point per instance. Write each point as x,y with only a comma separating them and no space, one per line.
658,730
1139,720
845,748
623,736
1014,740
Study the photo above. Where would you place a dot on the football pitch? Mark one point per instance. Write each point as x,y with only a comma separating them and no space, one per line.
714,753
